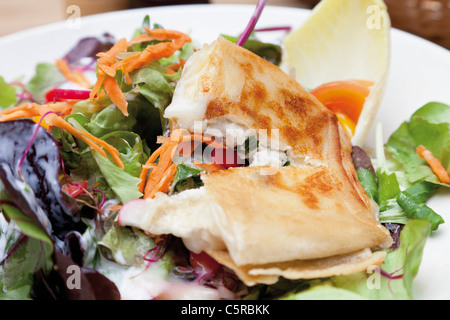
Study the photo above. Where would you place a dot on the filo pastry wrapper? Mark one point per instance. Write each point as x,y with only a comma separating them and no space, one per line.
310,219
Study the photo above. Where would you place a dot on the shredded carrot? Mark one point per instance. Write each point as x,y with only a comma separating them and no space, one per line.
116,95
94,142
143,37
108,64
111,150
164,183
161,170
106,74
18,114
147,166
114,207
108,58
434,163
56,121
162,173
73,76
97,86
173,68
128,79
155,51
31,110
166,34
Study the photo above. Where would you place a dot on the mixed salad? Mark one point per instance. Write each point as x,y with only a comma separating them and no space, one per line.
79,139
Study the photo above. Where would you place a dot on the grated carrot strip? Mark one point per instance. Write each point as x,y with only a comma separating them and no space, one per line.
100,78
143,37
147,166
29,110
164,184
163,173
16,108
111,150
434,163
72,76
108,58
59,122
165,160
18,114
116,95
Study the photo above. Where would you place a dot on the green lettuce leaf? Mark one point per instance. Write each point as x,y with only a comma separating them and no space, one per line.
46,77
152,85
399,203
132,150
108,120
395,282
186,177
124,185
20,257
430,127
369,183
126,246
7,94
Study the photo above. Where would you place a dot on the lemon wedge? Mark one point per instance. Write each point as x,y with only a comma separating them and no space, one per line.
343,40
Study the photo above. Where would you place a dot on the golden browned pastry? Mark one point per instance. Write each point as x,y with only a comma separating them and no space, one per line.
297,210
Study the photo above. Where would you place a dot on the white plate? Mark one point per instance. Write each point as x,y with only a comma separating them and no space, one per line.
420,73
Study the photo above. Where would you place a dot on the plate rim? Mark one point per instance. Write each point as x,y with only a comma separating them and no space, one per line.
17,36
55,25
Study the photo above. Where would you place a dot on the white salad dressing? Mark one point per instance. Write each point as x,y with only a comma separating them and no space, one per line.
153,283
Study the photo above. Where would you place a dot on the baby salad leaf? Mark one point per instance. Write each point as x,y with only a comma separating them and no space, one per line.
89,47
20,258
35,190
430,127
398,272
369,183
131,149
47,76
187,177
108,120
398,205
7,94
124,185
388,188
434,112
415,209
23,222
154,87
126,246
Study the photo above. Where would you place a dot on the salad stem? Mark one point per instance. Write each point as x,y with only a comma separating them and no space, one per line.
14,248
252,23
38,125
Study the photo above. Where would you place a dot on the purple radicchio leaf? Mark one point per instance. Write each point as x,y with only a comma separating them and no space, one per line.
89,47
36,189
361,160
69,280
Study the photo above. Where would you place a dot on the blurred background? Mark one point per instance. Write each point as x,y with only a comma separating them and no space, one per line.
429,19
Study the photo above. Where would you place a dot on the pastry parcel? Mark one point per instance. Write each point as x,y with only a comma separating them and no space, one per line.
294,207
